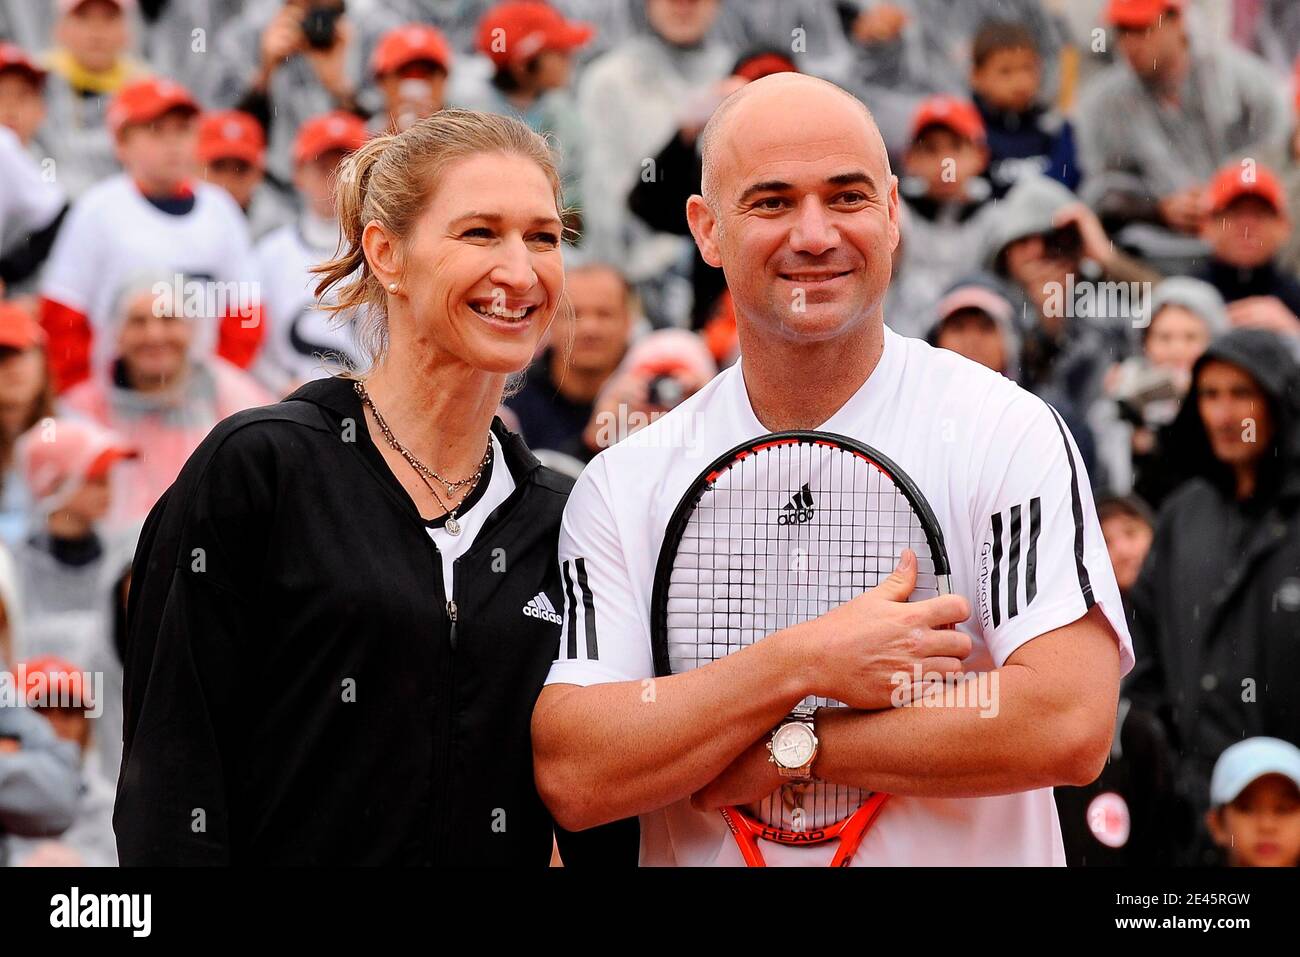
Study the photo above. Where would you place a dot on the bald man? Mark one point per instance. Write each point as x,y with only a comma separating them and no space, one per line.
800,210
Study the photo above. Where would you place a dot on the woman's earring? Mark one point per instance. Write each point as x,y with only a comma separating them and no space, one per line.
392,287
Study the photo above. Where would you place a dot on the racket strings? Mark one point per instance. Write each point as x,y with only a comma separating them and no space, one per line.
783,536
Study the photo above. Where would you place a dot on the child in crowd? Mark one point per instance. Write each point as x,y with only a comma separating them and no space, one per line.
1254,815
1024,135
1127,524
946,208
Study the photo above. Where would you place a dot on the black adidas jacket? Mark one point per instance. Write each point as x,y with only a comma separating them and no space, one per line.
296,691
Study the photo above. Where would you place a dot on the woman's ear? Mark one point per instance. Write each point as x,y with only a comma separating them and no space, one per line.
381,253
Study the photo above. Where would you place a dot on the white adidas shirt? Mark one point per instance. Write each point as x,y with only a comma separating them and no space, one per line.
112,232
298,331
977,446
500,485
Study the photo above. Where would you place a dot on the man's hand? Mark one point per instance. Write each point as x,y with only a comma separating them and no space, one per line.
281,39
1183,211
751,777
880,24
1264,312
1096,244
856,652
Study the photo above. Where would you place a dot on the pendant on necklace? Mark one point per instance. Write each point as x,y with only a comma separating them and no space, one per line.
452,526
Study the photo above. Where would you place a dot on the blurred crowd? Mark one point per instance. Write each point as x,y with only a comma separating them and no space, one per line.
1098,200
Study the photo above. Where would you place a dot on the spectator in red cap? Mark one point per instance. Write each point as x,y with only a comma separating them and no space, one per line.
303,340
32,204
160,393
411,65
232,155
88,65
1247,225
532,48
1155,126
155,213
946,208
25,399
64,696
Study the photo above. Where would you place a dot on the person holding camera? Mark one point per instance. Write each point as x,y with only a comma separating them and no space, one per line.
300,59
1144,392
661,370
1053,248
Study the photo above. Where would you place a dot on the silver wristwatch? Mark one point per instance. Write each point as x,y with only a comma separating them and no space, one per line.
793,746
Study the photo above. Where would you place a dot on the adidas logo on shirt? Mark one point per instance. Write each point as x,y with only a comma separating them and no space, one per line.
798,510
539,606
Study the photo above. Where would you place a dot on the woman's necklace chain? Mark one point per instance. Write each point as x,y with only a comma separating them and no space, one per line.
422,470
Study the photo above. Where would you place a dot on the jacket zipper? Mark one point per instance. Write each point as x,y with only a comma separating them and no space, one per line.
451,616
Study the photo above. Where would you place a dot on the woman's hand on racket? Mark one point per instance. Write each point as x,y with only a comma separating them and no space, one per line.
856,653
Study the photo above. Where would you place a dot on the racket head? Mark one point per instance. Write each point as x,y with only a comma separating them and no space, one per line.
729,573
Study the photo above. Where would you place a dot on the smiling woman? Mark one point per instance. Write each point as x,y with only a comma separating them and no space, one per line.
378,547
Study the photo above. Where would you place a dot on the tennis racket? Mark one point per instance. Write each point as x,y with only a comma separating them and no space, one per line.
777,531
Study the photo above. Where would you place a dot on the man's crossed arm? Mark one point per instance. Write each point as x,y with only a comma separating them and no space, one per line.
610,751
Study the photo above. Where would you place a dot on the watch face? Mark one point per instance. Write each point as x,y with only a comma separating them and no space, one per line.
792,745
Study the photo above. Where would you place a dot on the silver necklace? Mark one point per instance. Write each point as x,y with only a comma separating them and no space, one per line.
422,470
